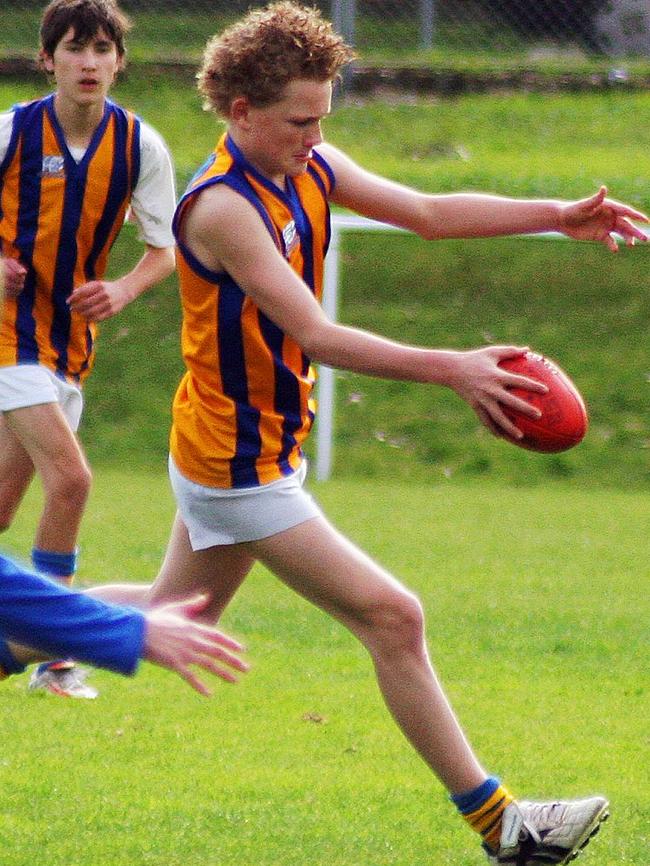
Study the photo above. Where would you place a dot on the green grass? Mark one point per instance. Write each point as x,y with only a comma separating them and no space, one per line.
536,609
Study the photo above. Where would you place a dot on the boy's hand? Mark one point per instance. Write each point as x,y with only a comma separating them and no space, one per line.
598,218
176,641
97,300
480,381
14,277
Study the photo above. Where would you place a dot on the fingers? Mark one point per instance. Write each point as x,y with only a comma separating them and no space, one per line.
92,301
206,659
624,210
210,649
504,428
175,641
502,395
524,383
15,274
193,607
191,679
206,650
610,243
590,206
503,352
629,232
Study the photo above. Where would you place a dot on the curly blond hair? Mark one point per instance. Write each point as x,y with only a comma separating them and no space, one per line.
260,54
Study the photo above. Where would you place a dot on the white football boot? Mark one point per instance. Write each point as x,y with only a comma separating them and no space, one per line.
538,834
63,678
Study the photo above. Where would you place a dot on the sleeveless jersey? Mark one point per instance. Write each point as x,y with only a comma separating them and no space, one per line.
244,406
60,218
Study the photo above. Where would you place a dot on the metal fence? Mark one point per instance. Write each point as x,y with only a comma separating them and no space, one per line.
391,28
609,27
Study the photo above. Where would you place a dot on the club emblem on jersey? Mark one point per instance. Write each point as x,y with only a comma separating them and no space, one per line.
290,236
53,166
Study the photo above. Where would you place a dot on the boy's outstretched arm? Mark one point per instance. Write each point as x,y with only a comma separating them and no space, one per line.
44,619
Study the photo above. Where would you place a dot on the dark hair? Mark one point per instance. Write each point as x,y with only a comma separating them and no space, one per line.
259,55
86,17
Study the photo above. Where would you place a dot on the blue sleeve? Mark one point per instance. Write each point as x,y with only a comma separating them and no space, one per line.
39,613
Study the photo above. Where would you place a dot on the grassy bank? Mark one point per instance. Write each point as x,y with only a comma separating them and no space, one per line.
575,302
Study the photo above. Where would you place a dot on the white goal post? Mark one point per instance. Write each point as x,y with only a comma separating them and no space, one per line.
340,224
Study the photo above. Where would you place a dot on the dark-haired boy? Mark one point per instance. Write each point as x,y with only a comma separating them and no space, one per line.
73,165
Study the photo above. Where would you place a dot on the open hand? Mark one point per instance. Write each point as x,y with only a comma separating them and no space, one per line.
174,640
598,218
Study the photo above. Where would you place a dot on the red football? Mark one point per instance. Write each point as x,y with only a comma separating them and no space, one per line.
564,418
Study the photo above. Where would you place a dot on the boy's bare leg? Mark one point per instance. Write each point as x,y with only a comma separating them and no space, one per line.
58,459
218,571
323,566
16,473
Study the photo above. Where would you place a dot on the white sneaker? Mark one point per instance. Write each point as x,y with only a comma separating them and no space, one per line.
533,834
62,678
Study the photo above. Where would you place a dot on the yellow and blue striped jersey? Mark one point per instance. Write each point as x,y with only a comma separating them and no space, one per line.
60,218
245,406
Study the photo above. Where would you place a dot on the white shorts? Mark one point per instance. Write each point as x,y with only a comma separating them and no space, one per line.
215,516
31,385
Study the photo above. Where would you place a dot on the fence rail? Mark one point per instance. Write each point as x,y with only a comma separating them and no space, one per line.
387,28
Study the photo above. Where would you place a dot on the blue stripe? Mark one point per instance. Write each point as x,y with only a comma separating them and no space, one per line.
327,169
235,383
119,189
67,253
30,120
245,166
242,466
286,397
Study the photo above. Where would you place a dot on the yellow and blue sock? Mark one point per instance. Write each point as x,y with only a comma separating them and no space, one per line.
483,809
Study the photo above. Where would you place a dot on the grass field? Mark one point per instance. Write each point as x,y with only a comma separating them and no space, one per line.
537,609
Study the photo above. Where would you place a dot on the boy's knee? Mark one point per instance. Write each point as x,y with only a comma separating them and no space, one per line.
397,622
72,485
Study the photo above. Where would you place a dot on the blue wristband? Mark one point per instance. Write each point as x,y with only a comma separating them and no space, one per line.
54,564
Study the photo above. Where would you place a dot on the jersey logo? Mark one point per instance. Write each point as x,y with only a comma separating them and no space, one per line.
53,166
290,236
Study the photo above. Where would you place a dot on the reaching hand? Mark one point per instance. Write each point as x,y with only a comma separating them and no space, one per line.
173,640
480,381
598,218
